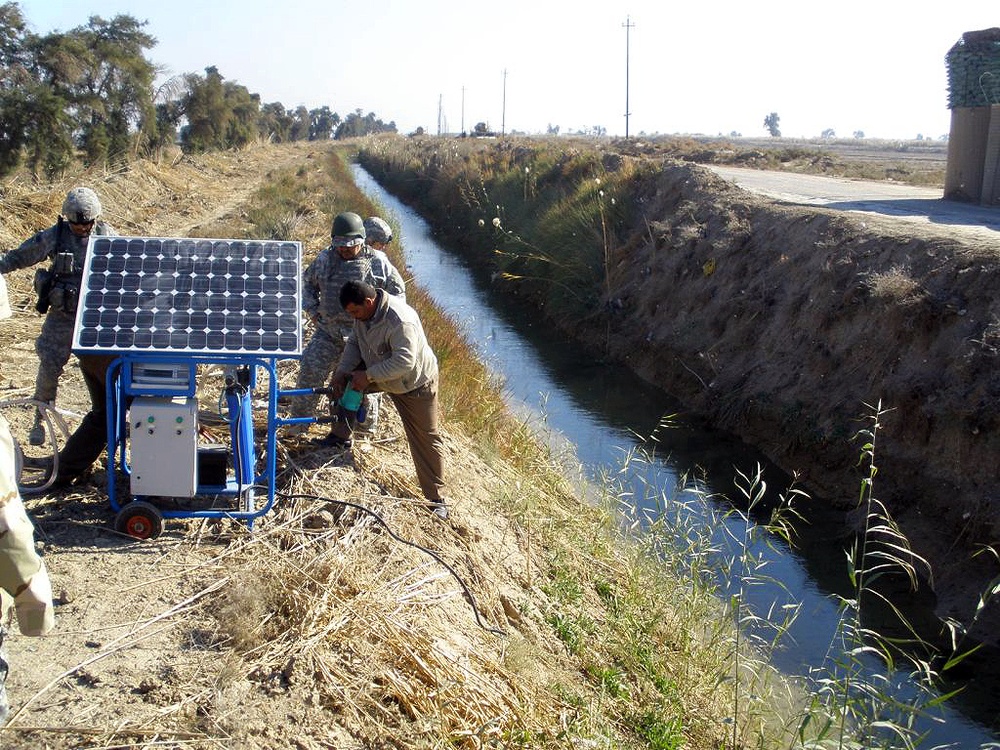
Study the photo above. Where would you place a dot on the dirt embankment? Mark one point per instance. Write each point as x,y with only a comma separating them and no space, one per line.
787,324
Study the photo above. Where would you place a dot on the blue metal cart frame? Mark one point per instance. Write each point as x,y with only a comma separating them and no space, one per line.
140,517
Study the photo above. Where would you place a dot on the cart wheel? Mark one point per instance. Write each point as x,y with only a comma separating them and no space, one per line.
140,520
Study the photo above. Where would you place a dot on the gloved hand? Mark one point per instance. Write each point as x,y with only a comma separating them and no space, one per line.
359,380
338,384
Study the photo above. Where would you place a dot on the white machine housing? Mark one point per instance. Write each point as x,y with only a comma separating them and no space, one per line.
164,446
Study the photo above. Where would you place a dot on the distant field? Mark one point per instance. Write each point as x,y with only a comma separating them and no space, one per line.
927,152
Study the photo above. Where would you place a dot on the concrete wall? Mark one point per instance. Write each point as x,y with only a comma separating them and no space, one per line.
967,141
991,163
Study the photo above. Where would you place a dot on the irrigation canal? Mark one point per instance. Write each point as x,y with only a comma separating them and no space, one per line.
604,414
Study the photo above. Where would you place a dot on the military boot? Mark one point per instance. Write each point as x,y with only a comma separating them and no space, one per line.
37,434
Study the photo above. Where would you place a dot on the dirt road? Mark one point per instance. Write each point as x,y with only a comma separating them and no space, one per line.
916,204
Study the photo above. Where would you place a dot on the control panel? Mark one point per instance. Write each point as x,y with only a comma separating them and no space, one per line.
164,446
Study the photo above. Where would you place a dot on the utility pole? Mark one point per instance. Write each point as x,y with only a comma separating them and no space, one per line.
628,25
503,112
463,110
440,97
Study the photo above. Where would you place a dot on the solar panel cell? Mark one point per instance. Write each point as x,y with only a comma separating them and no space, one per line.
201,296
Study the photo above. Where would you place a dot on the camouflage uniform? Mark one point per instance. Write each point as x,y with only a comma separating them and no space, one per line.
22,572
54,343
321,283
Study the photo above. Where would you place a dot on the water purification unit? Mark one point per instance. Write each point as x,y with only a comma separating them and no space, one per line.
171,310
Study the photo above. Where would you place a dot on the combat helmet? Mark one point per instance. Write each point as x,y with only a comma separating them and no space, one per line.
348,226
81,206
378,230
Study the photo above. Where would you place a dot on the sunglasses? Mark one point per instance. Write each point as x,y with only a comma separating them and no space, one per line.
82,223
339,242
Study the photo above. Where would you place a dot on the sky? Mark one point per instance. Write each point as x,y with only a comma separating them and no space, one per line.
701,67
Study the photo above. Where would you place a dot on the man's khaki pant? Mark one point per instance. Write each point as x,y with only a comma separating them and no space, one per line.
418,410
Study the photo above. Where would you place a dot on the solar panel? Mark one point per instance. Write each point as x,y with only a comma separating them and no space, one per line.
198,296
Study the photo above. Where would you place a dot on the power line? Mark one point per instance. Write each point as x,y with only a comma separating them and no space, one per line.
503,111
628,25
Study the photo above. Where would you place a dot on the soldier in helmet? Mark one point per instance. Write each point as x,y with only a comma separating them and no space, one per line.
348,258
378,233
64,246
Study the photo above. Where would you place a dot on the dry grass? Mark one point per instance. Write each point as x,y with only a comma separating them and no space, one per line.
895,285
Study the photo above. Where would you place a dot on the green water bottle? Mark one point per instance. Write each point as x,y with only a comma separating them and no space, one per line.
351,400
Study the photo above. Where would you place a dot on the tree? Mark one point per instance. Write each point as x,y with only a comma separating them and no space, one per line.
221,114
162,131
301,124
356,124
34,119
859,134
205,108
244,112
14,79
771,123
322,123
274,123
113,92
828,133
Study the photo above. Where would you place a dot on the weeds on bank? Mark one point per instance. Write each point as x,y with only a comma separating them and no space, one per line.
674,530
873,689
858,698
564,200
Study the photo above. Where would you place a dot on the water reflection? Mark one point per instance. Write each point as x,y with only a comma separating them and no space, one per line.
603,412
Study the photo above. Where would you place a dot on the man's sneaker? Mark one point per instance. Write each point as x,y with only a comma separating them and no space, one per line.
37,434
440,510
333,441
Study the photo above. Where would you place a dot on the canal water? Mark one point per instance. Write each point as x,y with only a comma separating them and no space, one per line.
603,414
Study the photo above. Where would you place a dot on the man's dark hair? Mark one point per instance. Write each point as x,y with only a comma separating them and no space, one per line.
355,293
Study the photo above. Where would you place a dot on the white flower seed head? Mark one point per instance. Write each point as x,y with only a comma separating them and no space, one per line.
482,223
496,221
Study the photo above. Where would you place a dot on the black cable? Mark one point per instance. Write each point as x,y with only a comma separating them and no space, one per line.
468,593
